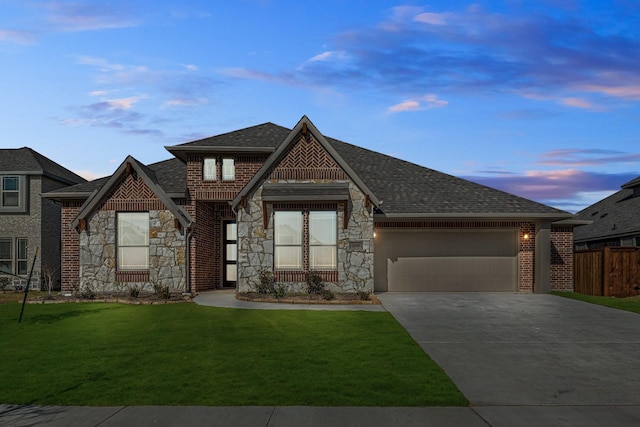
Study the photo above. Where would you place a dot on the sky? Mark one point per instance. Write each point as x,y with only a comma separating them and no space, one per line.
537,98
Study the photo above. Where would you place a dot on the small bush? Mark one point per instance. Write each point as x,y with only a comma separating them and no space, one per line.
4,283
85,292
363,295
280,291
134,291
327,295
267,283
162,291
315,285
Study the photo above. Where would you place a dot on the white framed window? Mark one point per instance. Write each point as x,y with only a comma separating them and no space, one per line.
209,172
133,240
228,170
21,258
323,236
13,255
287,231
13,193
6,255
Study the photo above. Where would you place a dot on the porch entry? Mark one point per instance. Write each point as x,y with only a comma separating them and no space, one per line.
230,254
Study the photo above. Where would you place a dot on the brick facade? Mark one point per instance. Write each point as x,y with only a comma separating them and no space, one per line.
561,258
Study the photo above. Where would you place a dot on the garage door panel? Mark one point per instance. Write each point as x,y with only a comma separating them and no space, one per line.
451,274
446,260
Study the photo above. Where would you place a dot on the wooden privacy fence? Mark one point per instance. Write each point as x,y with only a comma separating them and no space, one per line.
610,271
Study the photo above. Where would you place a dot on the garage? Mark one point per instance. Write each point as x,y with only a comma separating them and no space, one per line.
447,260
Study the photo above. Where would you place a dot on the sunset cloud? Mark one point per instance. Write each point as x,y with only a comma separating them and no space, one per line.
417,104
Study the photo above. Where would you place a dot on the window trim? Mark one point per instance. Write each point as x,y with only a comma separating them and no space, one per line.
20,260
333,245
11,258
121,245
305,245
226,167
299,245
22,192
209,177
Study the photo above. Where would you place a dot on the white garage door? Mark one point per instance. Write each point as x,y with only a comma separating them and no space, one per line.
446,260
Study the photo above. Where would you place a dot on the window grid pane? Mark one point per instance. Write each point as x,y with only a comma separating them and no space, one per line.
21,264
6,256
228,170
133,240
209,170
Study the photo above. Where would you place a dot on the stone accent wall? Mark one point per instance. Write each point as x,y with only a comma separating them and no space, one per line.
561,258
98,255
354,246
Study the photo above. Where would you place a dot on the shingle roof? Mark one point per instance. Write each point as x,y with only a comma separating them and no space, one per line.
170,174
615,216
404,188
266,135
28,160
407,188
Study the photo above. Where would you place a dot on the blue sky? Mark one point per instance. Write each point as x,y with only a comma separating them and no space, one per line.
541,99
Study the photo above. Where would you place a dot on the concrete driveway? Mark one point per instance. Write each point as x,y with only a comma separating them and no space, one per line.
527,350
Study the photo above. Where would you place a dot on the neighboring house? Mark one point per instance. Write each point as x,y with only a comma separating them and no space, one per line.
290,201
27,221
614,221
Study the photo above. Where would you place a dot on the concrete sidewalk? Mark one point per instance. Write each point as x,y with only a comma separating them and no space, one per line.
295,416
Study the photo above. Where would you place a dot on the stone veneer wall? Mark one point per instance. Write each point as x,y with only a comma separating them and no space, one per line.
98,260
355,245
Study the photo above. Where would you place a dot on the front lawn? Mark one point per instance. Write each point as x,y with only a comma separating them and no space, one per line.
628,304
185,354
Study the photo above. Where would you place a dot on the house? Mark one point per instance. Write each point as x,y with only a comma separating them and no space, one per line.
289,201
613,221
27,221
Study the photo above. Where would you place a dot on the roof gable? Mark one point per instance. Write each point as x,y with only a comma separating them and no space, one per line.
148,176
28,161
304,132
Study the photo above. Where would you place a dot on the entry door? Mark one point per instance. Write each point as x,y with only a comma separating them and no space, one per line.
230,243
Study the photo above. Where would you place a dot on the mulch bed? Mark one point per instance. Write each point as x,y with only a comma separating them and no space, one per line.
346,298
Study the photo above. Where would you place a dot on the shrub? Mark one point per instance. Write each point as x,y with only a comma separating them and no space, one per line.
85,292
267,283
280,291
315,285
4,282
327,294
134,291
162,291
364,295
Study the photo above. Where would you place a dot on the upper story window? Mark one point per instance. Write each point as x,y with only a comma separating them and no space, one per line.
13,194
133,240
209,169
228,170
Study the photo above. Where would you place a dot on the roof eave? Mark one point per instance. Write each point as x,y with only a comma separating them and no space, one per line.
181,152
474,215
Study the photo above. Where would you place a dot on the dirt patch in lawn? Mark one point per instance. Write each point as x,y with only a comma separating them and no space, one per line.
38,297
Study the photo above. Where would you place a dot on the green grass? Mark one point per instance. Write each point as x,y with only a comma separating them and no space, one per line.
185,354
628,304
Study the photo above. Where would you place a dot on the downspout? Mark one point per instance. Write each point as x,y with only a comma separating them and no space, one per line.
187,281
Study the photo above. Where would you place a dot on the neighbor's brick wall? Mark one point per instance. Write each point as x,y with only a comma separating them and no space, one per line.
70,257
561,258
